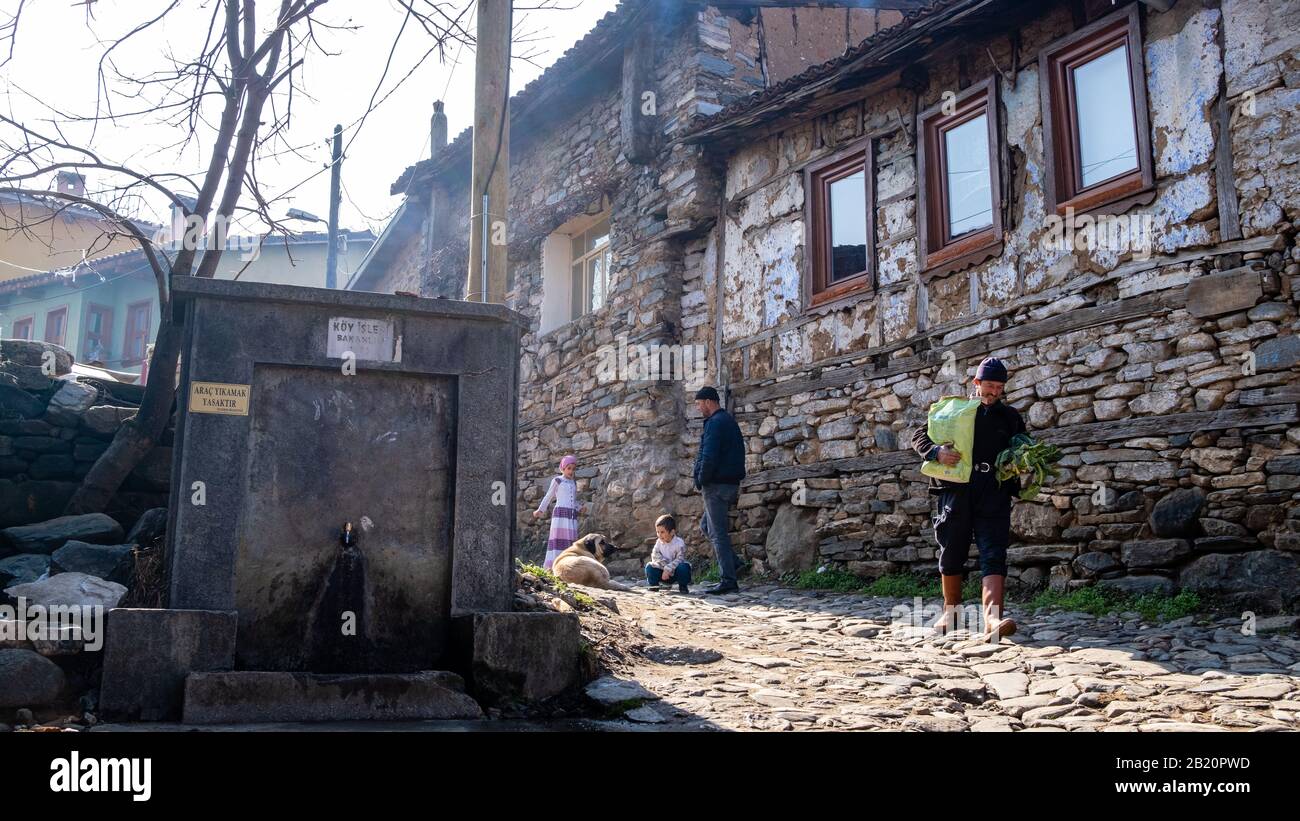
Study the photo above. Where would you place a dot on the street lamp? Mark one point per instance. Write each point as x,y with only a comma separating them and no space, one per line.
299,214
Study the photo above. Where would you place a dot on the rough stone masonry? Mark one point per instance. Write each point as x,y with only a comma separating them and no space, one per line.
1167,376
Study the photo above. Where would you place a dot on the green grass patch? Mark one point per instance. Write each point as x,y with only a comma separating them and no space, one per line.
556,582
711,574
893,586
1099,601
840,581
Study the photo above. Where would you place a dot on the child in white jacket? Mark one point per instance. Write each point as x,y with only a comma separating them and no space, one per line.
668,559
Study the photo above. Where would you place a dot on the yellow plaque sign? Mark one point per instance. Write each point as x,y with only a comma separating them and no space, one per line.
218,397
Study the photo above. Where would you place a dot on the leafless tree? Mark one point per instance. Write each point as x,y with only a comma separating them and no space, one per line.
247,73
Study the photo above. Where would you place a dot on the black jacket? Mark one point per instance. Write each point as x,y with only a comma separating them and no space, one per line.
994,427
721,460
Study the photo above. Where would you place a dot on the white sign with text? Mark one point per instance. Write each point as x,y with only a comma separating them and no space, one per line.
367,339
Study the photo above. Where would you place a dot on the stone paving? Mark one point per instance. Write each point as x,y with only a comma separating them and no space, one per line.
773,658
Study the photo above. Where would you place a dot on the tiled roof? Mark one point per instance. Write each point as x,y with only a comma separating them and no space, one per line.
875,52
125,262
69,207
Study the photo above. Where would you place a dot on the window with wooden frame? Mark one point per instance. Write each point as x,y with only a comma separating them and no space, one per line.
958,177
840,225
136,339
96,339
590,261
56,325
1096,130
23,327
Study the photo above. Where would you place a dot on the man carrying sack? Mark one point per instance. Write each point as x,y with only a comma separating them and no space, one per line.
979,508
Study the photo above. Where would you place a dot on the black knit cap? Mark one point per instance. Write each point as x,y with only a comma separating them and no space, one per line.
708,393
991,369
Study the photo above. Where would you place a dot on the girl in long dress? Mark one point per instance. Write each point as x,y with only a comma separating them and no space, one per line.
564,520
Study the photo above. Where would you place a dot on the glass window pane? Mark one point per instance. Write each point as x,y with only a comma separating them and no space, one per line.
1102,101
848,217
576,306
599,268
598,235
970,199
577,250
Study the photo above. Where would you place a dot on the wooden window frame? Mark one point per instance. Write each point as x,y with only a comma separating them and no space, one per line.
818,177
939,252
30,319
1056,62
128,328
105,336
606,251
63,329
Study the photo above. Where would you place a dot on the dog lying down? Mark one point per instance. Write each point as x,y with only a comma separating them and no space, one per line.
583,563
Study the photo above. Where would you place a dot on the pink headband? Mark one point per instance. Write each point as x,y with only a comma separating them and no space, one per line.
568,460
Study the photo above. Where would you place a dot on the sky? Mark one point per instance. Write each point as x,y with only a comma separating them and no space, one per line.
58,49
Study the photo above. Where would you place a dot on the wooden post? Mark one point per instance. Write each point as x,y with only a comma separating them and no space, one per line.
490,183
336,170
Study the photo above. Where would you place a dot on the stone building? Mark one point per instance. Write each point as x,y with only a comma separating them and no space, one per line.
601,186
848,241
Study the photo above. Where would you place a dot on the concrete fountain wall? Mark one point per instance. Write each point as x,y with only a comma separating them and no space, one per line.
302,410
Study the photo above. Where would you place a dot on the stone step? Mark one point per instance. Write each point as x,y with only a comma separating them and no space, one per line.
246,696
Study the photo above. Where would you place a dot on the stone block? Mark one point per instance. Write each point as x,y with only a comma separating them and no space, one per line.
517,656
48,536
1155,552
28,679
243,697
1139,585
149,653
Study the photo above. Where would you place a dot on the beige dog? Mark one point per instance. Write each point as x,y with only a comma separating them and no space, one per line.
583,563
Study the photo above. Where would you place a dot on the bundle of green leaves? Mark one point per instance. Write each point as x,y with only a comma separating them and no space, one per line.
1034,462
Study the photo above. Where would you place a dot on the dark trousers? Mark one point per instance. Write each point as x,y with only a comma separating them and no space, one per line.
718,500
654,576
980,511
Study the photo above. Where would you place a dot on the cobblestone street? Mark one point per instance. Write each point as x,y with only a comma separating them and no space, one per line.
772,658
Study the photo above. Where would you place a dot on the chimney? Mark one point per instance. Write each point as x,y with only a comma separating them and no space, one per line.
437,130
70,182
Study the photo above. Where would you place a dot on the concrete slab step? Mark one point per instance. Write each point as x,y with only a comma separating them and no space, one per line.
248,696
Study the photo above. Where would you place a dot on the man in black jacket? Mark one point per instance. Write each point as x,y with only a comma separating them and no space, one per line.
980,508
719,468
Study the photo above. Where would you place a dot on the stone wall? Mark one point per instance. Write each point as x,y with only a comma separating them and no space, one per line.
54,427
1133,363
632,437
1140,366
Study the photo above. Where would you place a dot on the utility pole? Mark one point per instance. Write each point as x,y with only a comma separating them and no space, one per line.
490,183
332,252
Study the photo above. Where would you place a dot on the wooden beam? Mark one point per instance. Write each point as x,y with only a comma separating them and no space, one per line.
856,464
1162,426
1093,433
1270,396
1118,311
1225,177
